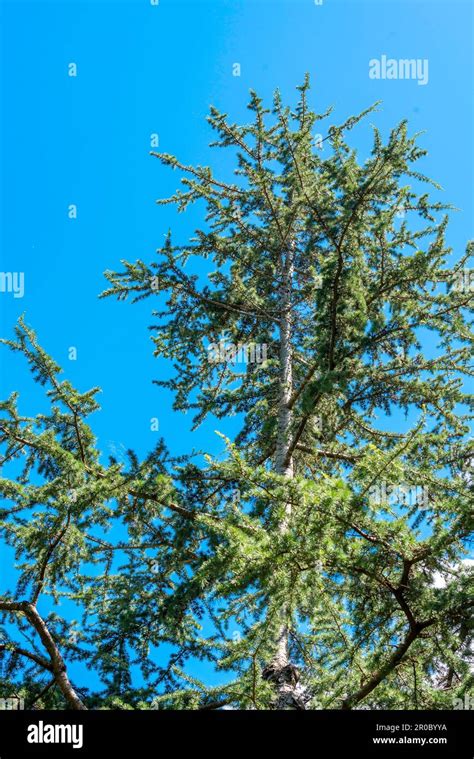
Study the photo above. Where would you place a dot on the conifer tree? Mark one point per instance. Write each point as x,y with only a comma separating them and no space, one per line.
296,563
330,588
59,501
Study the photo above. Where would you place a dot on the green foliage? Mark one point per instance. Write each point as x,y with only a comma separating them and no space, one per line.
207,568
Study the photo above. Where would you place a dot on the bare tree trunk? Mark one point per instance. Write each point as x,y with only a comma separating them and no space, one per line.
281,672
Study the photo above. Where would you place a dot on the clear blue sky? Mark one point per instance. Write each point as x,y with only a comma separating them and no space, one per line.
144,69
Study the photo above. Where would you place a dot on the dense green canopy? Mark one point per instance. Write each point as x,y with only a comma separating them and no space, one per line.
298,563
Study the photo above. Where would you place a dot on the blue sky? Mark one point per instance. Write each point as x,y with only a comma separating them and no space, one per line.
144,69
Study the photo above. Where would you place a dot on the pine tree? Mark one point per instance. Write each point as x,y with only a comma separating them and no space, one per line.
297,563
331,588
60,501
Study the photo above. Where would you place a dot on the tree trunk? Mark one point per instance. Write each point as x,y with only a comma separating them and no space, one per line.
281,672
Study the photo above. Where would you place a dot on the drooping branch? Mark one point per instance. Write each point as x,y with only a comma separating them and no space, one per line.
413,633
36,658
